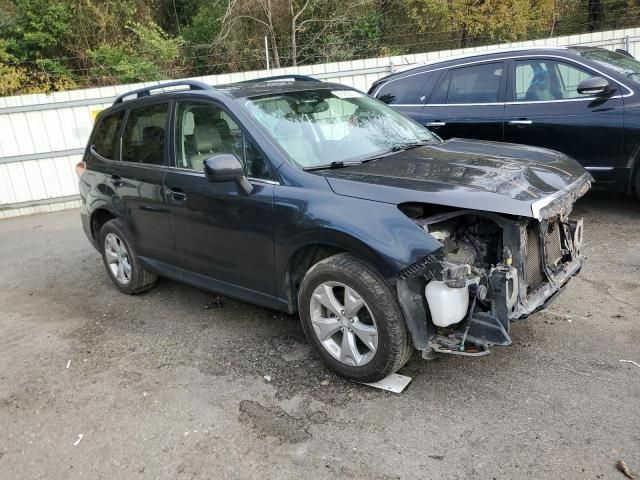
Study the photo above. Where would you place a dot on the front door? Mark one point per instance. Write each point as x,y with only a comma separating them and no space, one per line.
468,103
221,232
547,111
137,182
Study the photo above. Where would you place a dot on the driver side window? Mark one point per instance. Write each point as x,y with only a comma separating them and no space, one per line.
204,130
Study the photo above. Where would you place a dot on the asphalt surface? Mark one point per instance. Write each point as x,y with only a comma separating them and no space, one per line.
171,384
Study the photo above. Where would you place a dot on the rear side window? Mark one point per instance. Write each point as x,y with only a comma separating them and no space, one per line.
105,141
413,89
475,84
144,135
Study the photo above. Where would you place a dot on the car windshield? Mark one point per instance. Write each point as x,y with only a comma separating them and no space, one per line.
621,63
330,127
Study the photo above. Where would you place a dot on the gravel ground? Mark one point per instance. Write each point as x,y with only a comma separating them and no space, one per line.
98,385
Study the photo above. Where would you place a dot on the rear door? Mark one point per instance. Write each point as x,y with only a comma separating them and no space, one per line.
137,181
468,102
408,94
546,110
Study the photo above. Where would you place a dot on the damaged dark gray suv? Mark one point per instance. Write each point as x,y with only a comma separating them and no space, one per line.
314,198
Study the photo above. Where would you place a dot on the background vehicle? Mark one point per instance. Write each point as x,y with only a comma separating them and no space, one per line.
581,101
312,197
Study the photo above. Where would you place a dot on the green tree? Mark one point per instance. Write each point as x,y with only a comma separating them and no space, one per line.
472,22
149,55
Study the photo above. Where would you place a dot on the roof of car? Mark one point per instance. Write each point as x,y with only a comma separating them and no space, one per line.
485,53
251,88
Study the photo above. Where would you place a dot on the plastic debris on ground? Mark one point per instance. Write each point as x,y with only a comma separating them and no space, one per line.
395,383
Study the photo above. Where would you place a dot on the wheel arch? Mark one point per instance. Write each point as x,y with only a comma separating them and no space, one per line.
99,216
316,246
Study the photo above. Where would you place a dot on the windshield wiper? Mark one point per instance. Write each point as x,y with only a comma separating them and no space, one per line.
331,166
341,164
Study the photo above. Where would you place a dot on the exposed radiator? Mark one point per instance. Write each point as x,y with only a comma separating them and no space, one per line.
553,245
534,275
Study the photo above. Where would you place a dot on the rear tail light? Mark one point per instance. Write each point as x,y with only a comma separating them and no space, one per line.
80,168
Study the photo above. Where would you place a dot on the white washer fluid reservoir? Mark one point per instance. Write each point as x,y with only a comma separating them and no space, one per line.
447,305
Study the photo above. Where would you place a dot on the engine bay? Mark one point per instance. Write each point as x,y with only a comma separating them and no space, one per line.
491,270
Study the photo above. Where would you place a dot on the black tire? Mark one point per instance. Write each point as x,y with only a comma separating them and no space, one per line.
140,279
638,183
394,342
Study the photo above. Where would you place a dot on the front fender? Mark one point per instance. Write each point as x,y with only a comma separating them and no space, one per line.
378,232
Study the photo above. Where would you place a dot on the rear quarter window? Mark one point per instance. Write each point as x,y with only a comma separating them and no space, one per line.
409,90
105,140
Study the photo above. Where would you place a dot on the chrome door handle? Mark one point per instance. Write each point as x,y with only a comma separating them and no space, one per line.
177,194
520,123
436,124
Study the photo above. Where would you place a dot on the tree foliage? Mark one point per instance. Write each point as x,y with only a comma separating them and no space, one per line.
48,45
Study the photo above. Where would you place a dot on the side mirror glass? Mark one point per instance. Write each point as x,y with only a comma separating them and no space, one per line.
226,167
595,86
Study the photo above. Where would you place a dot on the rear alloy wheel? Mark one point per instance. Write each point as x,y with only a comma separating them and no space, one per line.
121,262
352,319
118,259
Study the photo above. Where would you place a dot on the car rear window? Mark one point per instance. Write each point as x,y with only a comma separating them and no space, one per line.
105,140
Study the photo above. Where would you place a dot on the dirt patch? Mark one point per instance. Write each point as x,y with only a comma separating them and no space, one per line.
275,422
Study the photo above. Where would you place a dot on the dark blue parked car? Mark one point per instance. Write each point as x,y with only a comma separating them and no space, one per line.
582,101
312,197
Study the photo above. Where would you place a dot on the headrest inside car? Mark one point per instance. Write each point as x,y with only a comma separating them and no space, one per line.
188,124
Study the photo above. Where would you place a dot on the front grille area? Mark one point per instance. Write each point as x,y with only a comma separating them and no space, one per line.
533,263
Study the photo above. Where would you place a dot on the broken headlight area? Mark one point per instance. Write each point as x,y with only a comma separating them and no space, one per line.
490,271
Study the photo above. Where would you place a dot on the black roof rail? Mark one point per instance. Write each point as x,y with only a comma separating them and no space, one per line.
295,78
146,91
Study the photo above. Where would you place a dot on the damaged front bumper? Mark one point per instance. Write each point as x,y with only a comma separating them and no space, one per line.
538,259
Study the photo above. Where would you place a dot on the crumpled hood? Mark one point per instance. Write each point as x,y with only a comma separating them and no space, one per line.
488,176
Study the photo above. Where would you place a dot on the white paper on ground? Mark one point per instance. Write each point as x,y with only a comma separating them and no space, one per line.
395,383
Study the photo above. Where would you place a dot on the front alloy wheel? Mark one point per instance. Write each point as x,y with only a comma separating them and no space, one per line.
352,319
343,323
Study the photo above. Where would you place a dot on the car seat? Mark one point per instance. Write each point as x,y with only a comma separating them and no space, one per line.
206,142
152,150
224,131
539,89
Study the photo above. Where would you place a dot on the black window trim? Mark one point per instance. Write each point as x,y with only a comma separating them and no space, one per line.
511,57
217,104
